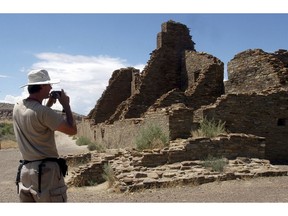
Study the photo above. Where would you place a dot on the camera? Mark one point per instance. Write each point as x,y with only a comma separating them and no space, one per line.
55,94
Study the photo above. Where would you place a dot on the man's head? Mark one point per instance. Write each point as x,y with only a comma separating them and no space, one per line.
34,88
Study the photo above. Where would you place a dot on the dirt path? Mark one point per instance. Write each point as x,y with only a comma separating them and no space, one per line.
67,145
268,189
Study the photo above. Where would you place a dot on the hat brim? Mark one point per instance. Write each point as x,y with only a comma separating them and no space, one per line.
42,83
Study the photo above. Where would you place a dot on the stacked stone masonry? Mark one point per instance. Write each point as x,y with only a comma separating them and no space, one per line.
179,87
178,164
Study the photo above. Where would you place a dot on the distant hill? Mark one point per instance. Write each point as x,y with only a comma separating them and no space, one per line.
6,110
5,106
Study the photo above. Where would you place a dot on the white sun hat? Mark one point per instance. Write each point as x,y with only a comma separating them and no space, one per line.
39,77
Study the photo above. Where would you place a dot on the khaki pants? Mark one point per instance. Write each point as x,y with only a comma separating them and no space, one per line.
53,188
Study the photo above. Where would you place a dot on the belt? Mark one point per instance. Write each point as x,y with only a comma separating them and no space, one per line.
42,160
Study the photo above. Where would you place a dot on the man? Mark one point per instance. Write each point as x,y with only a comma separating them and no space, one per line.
40,174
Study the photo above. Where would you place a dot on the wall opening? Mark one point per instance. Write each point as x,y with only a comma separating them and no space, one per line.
102,132
281,122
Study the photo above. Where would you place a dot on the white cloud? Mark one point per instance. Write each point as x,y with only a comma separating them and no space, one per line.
83,78
13,99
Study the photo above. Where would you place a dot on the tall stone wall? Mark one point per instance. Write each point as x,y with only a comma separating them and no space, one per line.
179,87
205,78
175,73
161,74
175,36
118,90
201,82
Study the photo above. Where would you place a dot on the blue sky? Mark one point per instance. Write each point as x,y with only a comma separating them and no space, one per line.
82,50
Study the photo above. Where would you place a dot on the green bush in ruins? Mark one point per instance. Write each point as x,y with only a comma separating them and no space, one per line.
82,141
210,128
90,145
150,137
108,174
94,146
216,164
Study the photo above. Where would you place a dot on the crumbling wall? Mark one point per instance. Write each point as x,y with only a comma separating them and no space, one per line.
179,87
205,75
180,120
264,115
180,163
174,121
162,72
119,89
257,99
201,82
121,133
256,71
175,73
175,36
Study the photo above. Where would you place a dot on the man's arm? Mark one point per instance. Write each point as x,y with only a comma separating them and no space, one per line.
67,126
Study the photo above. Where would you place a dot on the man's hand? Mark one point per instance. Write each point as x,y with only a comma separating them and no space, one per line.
68,126
64,99
51,101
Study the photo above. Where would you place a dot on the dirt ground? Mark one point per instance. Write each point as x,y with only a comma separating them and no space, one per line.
258,190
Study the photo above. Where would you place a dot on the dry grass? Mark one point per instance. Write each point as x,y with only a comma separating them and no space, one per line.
7,144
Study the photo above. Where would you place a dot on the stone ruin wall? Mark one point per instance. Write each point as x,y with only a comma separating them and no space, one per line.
263,115
174,58
164,66
201,82
174,121
175,36
256,71
120,85
253,101
256,100
176,164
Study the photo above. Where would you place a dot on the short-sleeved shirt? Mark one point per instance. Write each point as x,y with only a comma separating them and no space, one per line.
34,126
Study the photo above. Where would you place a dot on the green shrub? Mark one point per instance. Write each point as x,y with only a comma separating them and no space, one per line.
151,137
90,145
108,174
215,163
6,131
82,141
6,128
210,128
94,146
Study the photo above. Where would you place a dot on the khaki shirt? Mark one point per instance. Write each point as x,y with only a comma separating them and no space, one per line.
34,126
